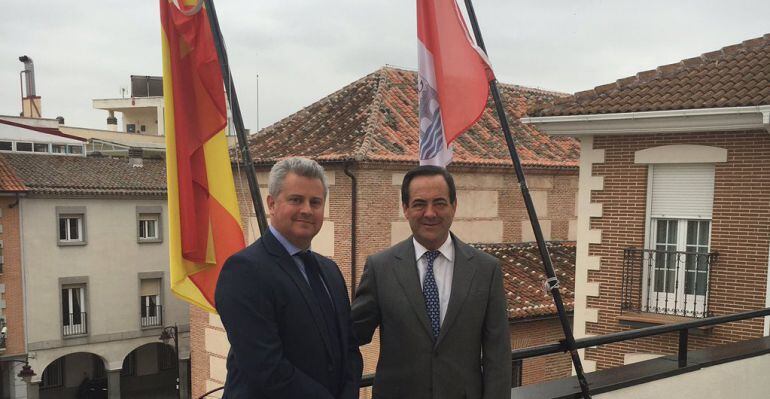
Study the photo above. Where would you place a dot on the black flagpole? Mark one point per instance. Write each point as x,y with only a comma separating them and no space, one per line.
243,145
552,282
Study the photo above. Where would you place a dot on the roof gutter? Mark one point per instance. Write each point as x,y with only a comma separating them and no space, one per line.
674,121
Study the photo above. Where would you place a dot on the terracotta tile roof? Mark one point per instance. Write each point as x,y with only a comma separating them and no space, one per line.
734,76
87,176
524,276
8,180
375,119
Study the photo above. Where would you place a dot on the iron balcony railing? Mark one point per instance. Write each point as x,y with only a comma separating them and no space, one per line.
152,316
667,282
682,329
75,324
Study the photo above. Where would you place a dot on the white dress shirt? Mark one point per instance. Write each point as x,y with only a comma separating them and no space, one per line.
443,269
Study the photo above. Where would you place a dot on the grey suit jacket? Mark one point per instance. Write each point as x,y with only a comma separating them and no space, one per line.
472,356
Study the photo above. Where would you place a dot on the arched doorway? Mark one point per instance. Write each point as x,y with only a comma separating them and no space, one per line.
74,376
149,371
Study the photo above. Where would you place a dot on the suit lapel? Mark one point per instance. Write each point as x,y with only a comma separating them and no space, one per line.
462,277
287,264
405,268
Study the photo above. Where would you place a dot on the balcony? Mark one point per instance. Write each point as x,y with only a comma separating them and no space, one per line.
152,316
75,324
673,283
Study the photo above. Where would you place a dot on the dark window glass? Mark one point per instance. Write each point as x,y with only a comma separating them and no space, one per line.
24,147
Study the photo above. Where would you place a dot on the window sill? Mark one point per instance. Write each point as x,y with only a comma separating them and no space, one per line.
74,336
149,240
71,243
645,319
151,327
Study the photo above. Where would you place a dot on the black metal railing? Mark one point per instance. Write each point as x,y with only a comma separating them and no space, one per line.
667,282
75,324
682,328
152,316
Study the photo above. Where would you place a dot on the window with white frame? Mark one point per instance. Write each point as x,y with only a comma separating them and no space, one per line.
71,228
148,224
680,209
149,302
148,227
74,317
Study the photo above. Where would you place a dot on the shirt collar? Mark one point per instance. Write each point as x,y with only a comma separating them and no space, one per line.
447,249
290,248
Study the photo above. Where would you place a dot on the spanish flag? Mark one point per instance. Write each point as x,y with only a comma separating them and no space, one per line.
204,221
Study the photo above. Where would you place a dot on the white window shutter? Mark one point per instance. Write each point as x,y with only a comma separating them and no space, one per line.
682,191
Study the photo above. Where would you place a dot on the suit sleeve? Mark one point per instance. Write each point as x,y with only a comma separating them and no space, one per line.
247,305
366,308
496,342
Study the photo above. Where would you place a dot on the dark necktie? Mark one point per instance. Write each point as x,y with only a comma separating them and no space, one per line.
430,292
313,271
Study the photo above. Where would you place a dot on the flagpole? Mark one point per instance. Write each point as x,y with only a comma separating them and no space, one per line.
235,108
552,282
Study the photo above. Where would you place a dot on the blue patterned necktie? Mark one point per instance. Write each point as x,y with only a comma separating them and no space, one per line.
430,292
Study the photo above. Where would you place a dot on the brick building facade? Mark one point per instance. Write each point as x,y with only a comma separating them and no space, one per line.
674,201
365,135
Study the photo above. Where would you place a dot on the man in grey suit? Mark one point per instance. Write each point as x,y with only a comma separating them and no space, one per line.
439,303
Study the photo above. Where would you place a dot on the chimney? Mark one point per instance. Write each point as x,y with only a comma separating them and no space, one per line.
135,157
30,104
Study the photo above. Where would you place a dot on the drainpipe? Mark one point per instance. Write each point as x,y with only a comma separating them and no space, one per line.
353,225
15,202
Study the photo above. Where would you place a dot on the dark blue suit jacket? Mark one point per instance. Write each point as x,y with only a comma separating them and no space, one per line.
280,347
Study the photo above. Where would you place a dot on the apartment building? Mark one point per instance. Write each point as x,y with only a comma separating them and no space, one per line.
86,278
674,200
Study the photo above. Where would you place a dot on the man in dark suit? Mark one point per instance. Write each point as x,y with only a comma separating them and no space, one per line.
285,308
439,303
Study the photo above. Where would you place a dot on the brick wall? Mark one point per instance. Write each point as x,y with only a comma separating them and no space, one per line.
11,277
540,332
740,233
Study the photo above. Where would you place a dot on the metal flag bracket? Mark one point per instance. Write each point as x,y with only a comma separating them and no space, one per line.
551,284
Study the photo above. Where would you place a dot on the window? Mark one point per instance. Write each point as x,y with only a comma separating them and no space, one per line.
73,310
75,149
517,369
58,148
148,227
40,147
71,228
131,128
149,303
24,147
680,208
148,224
6,146
53,375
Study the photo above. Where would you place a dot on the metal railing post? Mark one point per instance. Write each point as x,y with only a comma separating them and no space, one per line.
684,334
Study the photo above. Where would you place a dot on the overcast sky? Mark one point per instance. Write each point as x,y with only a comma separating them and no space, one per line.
303,50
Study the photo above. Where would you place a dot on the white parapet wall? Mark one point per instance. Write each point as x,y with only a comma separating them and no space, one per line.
744,379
